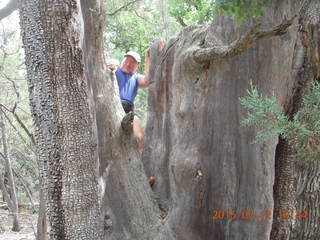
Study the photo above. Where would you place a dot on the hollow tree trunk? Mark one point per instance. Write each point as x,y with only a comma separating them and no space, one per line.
51,34
127,204
195,146
11,196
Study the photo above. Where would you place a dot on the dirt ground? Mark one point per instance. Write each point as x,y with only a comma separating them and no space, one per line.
28,224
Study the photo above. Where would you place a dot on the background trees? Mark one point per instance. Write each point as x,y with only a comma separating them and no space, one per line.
19,174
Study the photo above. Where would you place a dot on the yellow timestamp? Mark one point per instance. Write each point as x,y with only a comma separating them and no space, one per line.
262,214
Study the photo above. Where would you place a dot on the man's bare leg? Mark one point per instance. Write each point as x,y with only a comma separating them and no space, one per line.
138,133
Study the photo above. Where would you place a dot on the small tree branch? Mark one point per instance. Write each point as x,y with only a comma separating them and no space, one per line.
139,16
203,55
8,9
181,22
122,7
18,119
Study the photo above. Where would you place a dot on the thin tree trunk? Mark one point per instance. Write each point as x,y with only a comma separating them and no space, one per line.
24,183
26,187
42,226
8,169
284,191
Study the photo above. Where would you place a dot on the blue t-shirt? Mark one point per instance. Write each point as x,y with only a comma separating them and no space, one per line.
128,85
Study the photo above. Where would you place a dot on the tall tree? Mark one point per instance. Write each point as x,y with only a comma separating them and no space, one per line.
52,38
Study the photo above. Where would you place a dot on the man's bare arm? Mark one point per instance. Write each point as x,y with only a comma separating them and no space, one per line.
143,81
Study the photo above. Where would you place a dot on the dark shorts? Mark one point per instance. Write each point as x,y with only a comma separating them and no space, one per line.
127,106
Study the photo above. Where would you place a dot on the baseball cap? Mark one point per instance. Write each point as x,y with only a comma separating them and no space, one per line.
135,55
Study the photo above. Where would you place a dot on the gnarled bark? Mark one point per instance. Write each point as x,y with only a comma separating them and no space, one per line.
195,146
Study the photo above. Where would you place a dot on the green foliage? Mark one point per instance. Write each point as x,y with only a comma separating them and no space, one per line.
200,11
136,27
192,11
243,9
270,120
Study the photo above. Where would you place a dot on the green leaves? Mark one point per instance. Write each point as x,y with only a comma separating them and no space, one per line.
200,11
192,11
270,120
242,10
265,114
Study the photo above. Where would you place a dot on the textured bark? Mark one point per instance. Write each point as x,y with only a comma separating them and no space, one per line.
284,191
201,156
11,195
308,195
284,187
307,175
60,110
42,225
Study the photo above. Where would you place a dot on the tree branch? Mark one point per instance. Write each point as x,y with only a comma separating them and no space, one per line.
20,122
139,16
122,7
181,22
24,183
203,55
8,9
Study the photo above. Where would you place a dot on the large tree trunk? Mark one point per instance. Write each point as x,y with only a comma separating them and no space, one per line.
195,146
11,194
127,205
60,110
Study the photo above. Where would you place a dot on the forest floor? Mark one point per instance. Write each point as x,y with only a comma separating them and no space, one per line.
28,223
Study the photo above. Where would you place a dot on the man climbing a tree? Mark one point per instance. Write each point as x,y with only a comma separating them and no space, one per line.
129,81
